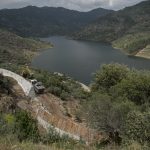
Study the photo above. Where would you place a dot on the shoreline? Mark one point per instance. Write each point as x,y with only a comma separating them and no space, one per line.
84,87
135,54
36,53
144,53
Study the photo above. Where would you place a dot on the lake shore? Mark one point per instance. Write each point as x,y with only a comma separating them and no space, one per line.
44,46
144,53
85,87
79,59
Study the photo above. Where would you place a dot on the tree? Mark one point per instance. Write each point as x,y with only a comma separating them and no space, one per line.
137,127
136,87
107,116
108,76
25,127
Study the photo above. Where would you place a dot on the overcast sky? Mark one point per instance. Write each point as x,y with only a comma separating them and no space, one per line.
82,5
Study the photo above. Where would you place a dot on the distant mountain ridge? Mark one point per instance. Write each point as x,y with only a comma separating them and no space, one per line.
127,29
112,26
44,21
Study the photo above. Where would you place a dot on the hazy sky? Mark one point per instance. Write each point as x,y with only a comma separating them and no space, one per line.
82,5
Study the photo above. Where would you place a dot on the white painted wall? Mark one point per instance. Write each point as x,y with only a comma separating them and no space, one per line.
25,85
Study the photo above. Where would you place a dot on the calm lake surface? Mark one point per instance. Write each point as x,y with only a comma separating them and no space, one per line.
80,59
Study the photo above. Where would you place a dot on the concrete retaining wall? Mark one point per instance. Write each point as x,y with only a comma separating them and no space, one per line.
47,125
25,85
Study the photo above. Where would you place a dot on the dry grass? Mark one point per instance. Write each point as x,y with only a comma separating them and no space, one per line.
11,143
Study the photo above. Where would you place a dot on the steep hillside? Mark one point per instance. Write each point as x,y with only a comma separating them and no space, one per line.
145,53
34,21
15,49
133,42
123,23
117,107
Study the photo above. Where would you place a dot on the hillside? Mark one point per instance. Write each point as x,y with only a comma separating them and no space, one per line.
145,53
117,107
118,26
133,43
34,21
113,115
19,49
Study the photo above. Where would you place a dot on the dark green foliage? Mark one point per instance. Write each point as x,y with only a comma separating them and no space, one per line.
23,128
119,104
108,116
120,81
137,127
108,76
5,85
128,29
21,124
132,43
60,85
34,21
26,127
7,124
19,49
136,87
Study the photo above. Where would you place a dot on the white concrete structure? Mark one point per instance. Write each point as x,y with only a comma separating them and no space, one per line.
47,126
85,87
25,85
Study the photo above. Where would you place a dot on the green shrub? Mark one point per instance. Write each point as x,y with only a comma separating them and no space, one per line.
26,127
107,115
5,85
7,123
60,85
137,127
108,76
136,87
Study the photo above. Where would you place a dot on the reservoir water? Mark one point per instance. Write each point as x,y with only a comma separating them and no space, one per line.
80,59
